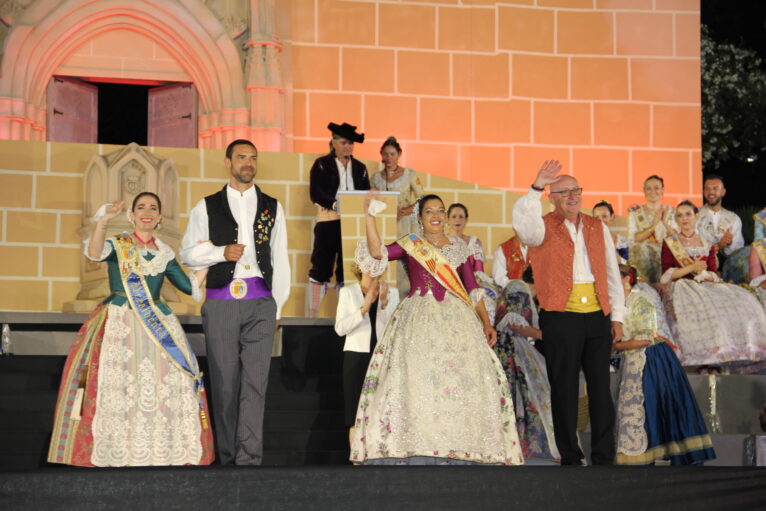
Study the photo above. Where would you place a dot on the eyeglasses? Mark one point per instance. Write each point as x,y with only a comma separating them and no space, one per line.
575,192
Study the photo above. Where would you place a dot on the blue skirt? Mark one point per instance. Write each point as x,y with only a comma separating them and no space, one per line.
675,428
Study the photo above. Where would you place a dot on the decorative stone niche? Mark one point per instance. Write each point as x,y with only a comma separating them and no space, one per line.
121,175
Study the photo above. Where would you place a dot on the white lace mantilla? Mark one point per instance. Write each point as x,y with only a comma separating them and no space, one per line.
477,250
152,267
456,254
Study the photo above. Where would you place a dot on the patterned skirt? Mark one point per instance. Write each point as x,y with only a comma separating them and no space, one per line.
714,323
123,402
660,412
435,392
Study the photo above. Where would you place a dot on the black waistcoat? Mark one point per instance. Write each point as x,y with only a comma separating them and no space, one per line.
222,228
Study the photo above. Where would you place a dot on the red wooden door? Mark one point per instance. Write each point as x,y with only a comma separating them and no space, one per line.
173,116
72,111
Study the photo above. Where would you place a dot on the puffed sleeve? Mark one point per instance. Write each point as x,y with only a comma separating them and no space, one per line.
107,252
376,267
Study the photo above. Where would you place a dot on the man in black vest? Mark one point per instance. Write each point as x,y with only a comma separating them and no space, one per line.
239,234
334,172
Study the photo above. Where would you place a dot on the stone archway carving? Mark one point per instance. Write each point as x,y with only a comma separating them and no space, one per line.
47,31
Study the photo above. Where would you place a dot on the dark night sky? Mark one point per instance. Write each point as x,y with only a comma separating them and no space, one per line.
742,22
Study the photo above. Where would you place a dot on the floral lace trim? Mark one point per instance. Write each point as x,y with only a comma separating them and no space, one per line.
477,295
105,251
457,252
146,410
160,260
757,281
477,250
511,319
631,415
367,263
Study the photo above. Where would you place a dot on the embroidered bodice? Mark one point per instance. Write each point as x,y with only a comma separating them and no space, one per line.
421,282
155,265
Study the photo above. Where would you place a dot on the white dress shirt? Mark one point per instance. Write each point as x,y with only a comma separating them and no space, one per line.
712,224
530,228
350,321
500,267
198,252
345,175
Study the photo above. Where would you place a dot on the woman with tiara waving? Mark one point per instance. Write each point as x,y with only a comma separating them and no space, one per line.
131,393
434,392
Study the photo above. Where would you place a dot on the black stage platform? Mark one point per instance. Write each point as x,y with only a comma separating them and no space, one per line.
328,487
306,453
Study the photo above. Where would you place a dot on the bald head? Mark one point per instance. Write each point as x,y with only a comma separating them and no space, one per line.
566,196
564,182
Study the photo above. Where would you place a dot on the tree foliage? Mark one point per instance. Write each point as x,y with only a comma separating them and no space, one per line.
733,103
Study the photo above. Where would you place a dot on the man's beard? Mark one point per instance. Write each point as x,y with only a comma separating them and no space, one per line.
242,179
715,202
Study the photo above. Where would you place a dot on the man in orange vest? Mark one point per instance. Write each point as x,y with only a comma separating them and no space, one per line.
582,306
510,261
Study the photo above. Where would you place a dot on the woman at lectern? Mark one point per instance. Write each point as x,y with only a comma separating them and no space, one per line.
395,178
434,393
131,393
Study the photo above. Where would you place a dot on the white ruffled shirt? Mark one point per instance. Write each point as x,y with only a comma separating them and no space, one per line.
530,228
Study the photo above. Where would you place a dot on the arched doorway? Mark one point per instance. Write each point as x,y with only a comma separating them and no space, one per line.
47,32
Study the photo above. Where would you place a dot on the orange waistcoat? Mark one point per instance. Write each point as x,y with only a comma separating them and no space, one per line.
515,264
552,262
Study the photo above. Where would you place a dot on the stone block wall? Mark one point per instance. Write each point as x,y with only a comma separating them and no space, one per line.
41,197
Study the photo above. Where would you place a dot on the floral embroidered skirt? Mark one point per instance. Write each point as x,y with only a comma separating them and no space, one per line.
435,392
714,323
123,402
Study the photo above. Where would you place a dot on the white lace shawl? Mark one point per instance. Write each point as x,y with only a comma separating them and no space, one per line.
162,256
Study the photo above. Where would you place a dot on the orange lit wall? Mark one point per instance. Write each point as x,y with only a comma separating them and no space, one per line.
484,91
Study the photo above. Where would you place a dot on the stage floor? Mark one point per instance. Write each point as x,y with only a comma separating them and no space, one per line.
307,488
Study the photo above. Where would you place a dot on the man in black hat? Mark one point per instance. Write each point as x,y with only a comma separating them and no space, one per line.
334,172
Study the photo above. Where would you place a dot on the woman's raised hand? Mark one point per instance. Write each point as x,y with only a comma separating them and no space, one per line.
548,173
371,195
114,209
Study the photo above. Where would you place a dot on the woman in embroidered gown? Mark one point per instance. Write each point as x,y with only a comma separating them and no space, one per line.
648,225
434,392
605,212
395,178
657,414
457,218
712,322
131,393
525,369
